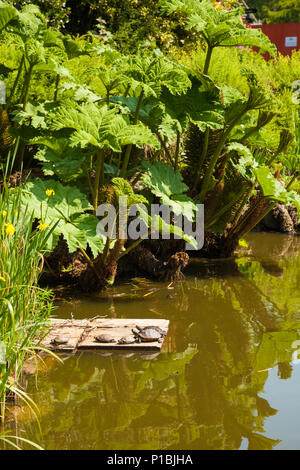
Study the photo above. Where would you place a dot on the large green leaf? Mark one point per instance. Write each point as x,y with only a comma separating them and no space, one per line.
65,210
273,189
152,73
7,14
270,186
59,159
200,105
162,179
28,22
166,183
219,27
159,225
101,127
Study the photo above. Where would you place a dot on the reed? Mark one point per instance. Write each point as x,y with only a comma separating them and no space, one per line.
24,307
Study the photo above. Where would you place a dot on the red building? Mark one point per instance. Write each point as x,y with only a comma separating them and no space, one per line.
286,36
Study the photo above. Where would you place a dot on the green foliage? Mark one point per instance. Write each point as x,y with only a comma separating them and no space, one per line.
276,11
200,105
167,184
7,14
219,27
100,128
55,11
65,211
273,189
24,307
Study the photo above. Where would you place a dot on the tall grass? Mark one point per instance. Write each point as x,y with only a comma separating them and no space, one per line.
24,307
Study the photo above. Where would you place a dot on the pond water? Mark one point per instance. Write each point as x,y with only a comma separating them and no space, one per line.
228,375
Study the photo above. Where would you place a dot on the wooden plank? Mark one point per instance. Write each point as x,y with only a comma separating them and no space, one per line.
80,334
60,328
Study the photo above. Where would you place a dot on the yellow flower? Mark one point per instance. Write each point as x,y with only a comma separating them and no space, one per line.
10,229
43,227
4,213
2,278
50,192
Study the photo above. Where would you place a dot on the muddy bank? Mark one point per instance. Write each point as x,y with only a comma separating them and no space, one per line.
160,260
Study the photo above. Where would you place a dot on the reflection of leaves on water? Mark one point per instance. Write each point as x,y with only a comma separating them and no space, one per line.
275,348
259,442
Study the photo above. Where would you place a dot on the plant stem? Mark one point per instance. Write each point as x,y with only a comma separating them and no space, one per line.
16,80
163,144
241,208
222,211
25,102
177,151
56,87
207,58
238,226
129,146
89,260
217,153
126,91
134,245
27,87
98,177
202,157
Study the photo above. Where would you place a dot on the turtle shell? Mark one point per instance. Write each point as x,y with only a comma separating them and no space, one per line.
130,339
59,340
104,338
149,333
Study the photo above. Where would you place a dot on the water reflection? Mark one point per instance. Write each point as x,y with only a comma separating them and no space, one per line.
231,323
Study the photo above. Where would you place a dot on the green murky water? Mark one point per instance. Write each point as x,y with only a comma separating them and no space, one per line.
228,377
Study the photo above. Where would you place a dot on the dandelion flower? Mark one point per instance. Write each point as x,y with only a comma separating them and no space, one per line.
4,213
50,192
43,227
2,278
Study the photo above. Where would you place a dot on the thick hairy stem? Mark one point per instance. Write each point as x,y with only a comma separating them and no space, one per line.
222,211
27,87
16,80
216,155
88,176
118,164
134,245
98,177
129,147
242,206
252,217
25,102
260,216
56,87
202,157
207,59
127,91
245,232
177,151
291,181
164,146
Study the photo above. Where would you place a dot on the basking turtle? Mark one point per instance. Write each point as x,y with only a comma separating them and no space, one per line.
104,338
149,334
130,339
59,340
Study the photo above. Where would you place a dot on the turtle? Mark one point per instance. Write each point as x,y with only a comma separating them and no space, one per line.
149,334
130,339
59,340
104,338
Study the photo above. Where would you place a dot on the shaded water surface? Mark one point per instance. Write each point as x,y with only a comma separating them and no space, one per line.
228,377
